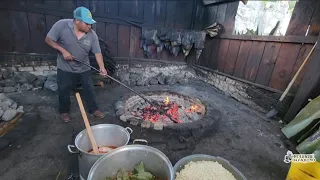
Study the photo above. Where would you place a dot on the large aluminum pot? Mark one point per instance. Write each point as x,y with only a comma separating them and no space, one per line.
203,157
128,157
104,135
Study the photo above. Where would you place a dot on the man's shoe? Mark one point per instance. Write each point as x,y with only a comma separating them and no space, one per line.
65,117
98,114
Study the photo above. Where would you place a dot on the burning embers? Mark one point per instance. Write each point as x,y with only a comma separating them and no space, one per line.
168,109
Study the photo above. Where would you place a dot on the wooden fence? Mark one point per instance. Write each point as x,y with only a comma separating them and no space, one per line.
266,60
119,22
26,22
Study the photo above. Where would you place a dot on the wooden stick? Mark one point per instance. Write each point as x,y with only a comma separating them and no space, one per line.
297,73
88,127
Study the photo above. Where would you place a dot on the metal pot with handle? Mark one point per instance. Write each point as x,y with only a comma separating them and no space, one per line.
127,157
105,135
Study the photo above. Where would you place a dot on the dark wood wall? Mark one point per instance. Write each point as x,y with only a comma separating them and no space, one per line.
26,22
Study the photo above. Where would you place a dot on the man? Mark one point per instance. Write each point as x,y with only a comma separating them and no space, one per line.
74,38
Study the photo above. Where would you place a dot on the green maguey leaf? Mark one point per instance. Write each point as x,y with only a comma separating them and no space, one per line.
122,175
140,173
305,117
317,153
310,144
140,167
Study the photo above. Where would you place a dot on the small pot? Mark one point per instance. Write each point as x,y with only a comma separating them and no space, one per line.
104,135
127,157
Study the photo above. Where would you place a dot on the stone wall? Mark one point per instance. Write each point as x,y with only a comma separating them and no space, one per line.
140,73
256,98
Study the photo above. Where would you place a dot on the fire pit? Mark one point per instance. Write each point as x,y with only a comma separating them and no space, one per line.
169,110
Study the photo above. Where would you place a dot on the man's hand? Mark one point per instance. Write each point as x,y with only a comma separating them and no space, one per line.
66,55
103,72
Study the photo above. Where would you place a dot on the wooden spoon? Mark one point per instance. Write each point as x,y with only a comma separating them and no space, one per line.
88,127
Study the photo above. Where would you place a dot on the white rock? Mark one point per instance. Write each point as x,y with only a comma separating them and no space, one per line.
9,114
14,105
20,109
8,102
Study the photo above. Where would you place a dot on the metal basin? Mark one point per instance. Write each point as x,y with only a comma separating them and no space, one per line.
105,135
128,157
200,157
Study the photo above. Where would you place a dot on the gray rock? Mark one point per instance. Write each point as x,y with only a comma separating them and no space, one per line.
4,107
182,80
142,80
158,126
119,112
26,87
7,102
133,78
1,89
20,78
9,114
125,78
3,96
39,81
123,118
8,83
1,113
17,86
153,80
30,77
52,78
9,89
14,105
170,80
119,105
20,109
7,73
161,78
51,85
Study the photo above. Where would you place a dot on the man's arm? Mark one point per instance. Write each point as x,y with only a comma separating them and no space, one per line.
51,38
54,45
97,52
99,59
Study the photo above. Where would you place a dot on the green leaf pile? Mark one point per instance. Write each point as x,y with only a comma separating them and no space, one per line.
139,173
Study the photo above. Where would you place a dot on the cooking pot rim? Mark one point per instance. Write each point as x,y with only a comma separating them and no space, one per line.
132,147
100,126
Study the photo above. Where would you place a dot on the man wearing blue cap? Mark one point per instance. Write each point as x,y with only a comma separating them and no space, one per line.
74,38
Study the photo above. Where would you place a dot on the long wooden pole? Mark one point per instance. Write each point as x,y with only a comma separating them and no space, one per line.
297,73
87,124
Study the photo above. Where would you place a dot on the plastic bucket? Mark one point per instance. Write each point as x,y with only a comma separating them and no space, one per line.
304,171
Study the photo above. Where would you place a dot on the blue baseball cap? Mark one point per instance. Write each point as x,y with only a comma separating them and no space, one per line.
83,14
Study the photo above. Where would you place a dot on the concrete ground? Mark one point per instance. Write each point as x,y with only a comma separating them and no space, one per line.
37,147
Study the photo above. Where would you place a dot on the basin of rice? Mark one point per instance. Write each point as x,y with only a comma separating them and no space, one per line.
204,170
206,167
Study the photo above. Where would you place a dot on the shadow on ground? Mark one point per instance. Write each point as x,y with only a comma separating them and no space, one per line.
37,147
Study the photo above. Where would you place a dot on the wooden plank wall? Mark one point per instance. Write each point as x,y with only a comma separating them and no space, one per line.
271,61
119,22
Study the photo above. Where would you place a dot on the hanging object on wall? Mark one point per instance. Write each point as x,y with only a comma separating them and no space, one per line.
175,41
214,29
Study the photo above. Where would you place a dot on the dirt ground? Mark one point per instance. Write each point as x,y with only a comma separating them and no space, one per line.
37,147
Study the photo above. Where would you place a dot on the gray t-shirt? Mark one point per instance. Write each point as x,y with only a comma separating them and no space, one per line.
62,33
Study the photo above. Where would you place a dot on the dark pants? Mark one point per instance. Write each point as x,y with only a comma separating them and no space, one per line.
66,82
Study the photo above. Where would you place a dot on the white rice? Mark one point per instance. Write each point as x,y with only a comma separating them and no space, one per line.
204,170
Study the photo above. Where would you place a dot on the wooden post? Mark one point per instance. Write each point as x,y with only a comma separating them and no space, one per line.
307,86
